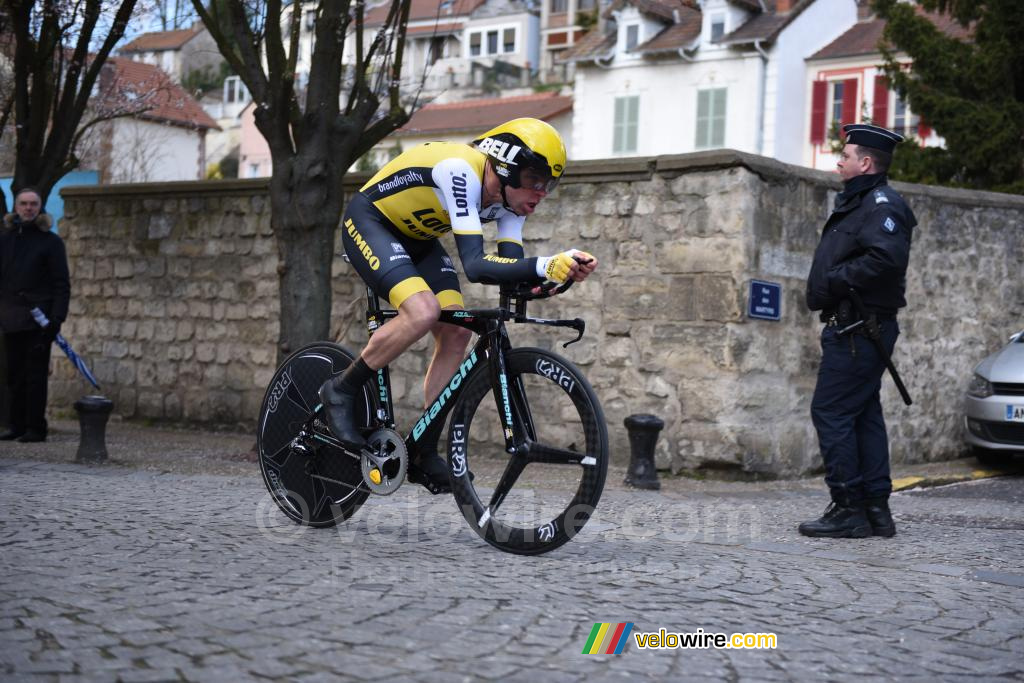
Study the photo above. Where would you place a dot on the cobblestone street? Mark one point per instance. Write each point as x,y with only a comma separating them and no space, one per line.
114,573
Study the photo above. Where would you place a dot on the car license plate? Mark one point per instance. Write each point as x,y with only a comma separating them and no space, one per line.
1015,413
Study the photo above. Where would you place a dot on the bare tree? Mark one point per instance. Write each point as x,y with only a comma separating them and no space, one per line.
313,137
55,74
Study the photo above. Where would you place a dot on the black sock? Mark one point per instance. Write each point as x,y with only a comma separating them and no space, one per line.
355,376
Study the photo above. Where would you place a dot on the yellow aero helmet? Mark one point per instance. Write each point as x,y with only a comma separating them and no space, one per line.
525,153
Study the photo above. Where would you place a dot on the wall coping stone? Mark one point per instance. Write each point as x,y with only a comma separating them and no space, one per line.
625,169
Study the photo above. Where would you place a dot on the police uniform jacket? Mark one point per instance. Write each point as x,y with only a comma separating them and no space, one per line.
33,272
865,245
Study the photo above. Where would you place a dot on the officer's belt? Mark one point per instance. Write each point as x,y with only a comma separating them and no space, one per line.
831,318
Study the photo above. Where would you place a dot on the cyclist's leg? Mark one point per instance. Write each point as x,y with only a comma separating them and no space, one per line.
383,261
450,341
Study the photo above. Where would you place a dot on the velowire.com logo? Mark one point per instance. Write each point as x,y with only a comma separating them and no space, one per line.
607,639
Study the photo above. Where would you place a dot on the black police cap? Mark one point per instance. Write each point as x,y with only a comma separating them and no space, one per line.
866,135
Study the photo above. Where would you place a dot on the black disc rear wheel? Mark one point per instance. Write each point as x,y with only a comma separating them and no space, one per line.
531,502
319,485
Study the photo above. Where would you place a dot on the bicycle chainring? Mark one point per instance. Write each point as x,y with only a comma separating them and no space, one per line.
384,462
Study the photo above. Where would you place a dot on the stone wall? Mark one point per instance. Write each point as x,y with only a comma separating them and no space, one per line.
175,303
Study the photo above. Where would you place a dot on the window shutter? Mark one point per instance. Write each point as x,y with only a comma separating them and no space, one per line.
851,103
880,108
819,104
923,129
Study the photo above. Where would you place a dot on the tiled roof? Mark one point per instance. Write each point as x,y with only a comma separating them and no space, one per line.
664,9
765,26
483,114
162,40
592,46
676,36
146,87
863,37
422,10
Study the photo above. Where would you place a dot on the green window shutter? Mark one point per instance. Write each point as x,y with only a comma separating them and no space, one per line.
627,114
711,118
718,119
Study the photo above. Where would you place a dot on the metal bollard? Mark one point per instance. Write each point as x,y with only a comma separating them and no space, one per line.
93,412
643,436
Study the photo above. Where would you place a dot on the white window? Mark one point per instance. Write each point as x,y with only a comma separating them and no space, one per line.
711,118
490,42
838,92
235,90
627,114
904,121
632,36
717,26
254,170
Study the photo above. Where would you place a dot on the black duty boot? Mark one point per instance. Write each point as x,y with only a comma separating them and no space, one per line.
338,406
31,437
842,519
879,516
11,435
430,470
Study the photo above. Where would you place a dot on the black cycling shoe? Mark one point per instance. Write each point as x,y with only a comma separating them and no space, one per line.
338,409
430,470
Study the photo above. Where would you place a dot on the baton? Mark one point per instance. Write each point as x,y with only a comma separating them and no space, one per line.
872,334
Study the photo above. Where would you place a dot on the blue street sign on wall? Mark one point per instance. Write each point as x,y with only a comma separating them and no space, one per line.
765,300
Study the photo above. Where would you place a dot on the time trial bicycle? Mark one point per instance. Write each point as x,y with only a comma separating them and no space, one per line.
526,468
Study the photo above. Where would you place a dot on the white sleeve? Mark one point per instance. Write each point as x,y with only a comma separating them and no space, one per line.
510,228
460,188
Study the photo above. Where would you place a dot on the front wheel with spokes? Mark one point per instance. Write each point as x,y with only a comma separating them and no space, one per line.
537,499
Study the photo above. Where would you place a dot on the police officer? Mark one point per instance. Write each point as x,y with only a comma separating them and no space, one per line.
865,247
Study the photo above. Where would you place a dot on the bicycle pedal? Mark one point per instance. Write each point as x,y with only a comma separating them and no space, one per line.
417,476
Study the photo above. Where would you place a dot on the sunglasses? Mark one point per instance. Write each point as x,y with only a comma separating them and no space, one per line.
536,179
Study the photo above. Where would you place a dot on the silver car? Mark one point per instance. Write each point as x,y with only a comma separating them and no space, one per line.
994,420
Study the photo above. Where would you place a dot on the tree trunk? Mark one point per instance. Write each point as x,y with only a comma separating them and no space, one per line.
304,219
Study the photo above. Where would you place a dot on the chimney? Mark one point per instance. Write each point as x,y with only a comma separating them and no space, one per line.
783,6
864,11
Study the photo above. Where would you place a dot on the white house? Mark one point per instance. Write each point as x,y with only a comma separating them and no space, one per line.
176,53
480,50
164,137
671,76
461,49
846,84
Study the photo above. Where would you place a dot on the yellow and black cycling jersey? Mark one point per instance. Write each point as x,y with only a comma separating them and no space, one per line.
436,188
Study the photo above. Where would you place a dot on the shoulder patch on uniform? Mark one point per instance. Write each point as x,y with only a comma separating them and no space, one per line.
880,197
889,225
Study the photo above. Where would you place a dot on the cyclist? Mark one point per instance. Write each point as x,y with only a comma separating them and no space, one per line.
390,233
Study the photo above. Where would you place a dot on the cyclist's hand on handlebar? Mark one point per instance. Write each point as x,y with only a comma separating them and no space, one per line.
572,264
557,268
586,264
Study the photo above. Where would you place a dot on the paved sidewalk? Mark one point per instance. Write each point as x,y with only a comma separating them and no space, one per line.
192,451
172,564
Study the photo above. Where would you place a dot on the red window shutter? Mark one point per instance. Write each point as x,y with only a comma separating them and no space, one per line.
851,103
880,108
819,107
923,129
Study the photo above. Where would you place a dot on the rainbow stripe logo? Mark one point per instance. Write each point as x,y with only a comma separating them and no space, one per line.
607,639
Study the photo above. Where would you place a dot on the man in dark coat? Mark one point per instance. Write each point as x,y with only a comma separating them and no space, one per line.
33,275
865,247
